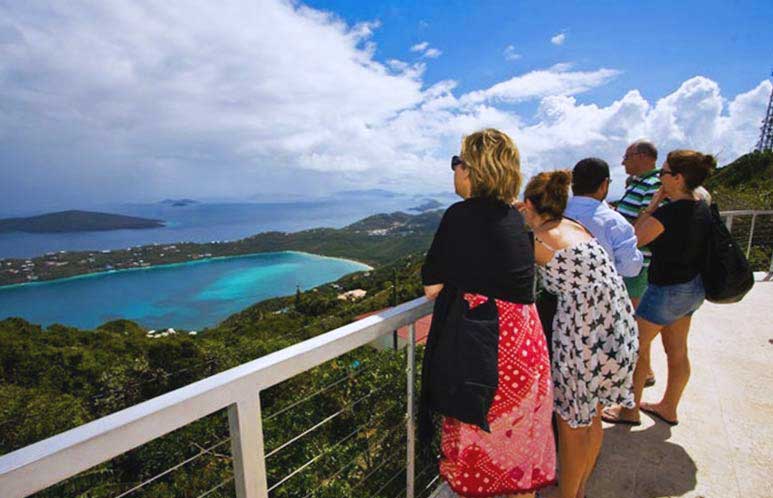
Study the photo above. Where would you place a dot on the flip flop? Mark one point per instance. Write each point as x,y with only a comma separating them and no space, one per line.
619,421
649,382
658,416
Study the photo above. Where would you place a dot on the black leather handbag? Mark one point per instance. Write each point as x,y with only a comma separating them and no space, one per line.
462,362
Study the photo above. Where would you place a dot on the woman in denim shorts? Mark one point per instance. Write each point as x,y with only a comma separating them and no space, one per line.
677,234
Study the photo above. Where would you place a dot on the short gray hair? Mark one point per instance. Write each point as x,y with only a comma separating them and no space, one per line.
646,147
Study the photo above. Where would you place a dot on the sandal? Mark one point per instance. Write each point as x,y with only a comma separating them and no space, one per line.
651,411
615,419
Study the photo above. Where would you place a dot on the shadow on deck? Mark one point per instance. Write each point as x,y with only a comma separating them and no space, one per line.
723,446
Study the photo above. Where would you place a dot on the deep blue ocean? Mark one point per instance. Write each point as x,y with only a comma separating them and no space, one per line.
190,295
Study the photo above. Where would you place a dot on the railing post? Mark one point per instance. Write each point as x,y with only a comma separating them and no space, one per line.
751,235
729,223
410,462
246,426
770,270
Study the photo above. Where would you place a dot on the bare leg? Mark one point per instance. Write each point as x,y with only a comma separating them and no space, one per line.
647,332
675,343
650,374
596,439
573,453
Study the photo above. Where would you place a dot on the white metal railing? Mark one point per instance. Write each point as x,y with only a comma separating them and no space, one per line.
47,462
42,464
729,216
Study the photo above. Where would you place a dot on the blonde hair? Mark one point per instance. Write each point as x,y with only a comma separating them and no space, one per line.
549,192
494,164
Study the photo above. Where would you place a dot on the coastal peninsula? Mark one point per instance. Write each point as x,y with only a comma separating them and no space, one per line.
374,240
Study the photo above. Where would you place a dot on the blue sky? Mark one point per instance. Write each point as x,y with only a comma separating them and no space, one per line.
136,101
656,44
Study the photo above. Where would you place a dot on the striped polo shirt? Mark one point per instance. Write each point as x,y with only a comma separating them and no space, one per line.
637,197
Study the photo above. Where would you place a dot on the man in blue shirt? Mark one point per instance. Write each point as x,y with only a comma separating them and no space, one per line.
590,186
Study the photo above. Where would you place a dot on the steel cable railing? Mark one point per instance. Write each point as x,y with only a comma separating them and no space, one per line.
327,450
226,439
173,468
340,470
212,490
52,461
391,479
348,376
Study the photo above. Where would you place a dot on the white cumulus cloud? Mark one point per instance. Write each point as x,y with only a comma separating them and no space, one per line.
558,39
557,80
141,100
511,54
420,47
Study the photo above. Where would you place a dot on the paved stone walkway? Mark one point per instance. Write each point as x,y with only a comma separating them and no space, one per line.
723,445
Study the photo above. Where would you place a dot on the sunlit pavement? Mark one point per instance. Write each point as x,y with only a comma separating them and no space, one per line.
723,445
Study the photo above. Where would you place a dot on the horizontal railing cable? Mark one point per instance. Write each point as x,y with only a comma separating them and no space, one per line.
326,451
418,476
226,439
428,488
212,490
390,458
348,376
173,468
324,421
382,488
359,455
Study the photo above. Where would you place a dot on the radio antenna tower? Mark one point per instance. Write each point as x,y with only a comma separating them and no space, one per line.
766,131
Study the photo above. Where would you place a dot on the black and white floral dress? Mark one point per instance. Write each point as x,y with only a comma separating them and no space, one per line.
595,339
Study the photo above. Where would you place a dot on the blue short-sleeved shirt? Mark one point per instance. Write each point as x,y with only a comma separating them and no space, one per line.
615,234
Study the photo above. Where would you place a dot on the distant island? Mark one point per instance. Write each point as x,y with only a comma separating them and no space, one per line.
75,221
178,202
374,240
427,205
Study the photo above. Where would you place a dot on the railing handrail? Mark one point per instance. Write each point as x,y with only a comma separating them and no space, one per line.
42,464
746,212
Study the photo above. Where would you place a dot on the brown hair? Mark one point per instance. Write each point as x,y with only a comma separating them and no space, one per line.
694,166
494,164
549,192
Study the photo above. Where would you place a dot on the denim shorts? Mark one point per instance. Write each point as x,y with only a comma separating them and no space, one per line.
665,304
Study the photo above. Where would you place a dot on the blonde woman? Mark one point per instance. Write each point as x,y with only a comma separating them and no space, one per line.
482,251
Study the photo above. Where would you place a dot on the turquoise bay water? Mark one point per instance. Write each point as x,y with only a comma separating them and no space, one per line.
187,296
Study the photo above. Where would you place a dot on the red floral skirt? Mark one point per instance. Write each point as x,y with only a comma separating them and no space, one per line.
518,455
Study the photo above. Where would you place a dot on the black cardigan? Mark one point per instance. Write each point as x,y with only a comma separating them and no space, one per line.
482,246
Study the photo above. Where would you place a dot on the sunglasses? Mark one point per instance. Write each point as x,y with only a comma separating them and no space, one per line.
456,161
663,173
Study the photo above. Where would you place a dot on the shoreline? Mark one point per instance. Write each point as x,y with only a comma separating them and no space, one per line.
172,265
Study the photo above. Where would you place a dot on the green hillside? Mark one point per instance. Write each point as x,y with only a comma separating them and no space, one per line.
56,378
747,183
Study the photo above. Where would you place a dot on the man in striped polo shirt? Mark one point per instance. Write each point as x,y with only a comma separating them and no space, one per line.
644,181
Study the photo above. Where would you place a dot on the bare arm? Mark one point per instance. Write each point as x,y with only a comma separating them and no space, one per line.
542,255
432,291
648,228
